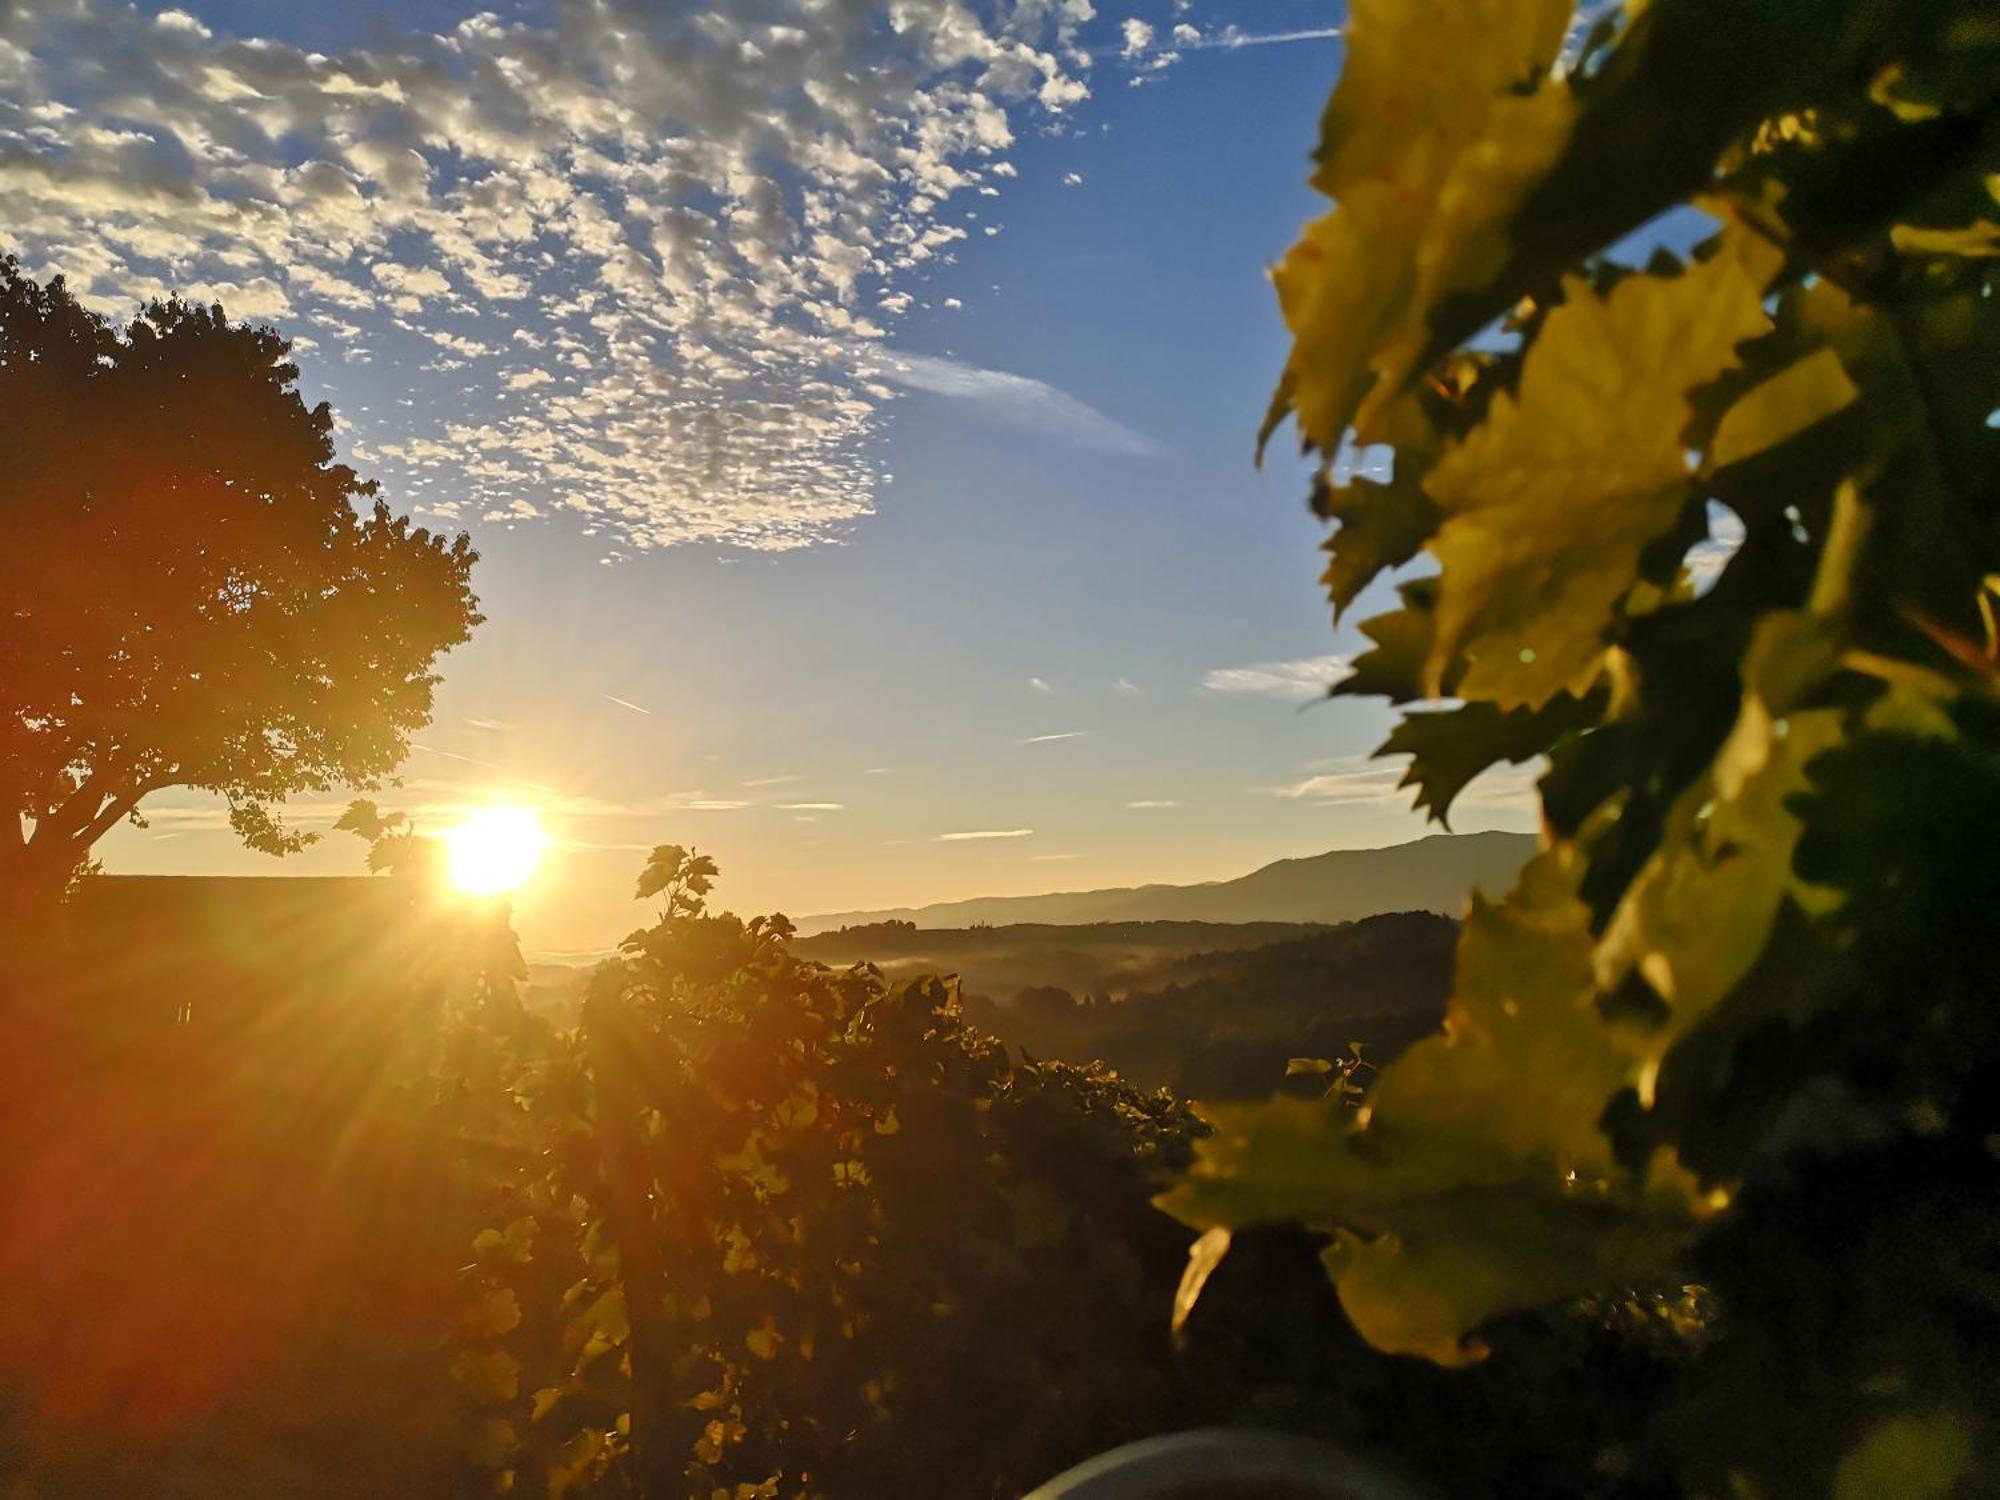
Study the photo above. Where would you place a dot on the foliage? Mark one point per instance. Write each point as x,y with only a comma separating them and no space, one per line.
1760,925
189,595
760,1227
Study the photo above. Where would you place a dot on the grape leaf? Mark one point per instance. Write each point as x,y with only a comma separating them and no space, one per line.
1550,503
1426,145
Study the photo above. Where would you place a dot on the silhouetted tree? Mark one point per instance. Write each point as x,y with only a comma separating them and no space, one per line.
190,592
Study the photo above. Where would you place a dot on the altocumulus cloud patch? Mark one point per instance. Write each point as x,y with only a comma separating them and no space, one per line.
632,258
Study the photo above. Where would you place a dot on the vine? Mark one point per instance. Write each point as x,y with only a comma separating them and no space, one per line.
1753,959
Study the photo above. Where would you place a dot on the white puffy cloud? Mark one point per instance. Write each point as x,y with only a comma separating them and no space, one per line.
710,214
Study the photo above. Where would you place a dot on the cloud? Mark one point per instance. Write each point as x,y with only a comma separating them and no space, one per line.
1146,803
1040,686
1230,38
710,216
1138,37
627,703
1370,782
785,780
1298,681
812,807
1352,780
1049,739
1019,399
1124,687
984,833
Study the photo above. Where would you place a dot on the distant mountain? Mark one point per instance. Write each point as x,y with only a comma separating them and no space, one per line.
1429,874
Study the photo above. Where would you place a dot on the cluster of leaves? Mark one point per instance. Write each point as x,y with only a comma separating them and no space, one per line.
1761,923
760,1227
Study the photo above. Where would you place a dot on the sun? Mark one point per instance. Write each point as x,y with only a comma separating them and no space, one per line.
495,850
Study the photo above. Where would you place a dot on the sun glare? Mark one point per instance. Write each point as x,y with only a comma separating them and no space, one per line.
495,850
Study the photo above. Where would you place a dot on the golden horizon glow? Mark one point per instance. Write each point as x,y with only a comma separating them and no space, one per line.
495,850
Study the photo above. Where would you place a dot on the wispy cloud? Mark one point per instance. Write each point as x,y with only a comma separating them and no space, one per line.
971,835
1124,687
813,807
1369,782
1020,399
785,780
1357,780
493,726
1147,803
1229,39
627,703
1052,858
1050,739
1301,680
1041,686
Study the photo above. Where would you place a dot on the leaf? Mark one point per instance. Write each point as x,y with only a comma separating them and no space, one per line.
1455,1198
1914,1456
1549,504
496,1312
763,1340
1449,748
1427,145
1980,239
1298,1066
1782,407
487,1374
1382,526
1698,915
1394,667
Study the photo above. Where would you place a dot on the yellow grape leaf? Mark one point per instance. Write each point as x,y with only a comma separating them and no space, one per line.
1782,407
1429,146
1477,1180
1550,502
1461,1259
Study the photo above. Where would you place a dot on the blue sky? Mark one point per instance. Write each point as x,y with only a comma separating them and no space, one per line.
868,573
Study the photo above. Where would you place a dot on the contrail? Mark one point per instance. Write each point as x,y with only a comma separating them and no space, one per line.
622,703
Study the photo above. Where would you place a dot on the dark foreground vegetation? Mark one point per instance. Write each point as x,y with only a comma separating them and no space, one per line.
330,1213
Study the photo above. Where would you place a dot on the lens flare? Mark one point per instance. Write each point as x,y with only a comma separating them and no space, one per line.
495,850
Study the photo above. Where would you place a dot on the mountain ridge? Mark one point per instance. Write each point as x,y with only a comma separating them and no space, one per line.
1433,873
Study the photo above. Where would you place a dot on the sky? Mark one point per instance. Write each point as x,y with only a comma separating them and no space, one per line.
852,404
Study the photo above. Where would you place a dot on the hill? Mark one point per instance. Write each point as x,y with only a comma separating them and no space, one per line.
1428,874
1110,959
1221,1025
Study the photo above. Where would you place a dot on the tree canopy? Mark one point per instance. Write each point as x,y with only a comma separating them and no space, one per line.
193,592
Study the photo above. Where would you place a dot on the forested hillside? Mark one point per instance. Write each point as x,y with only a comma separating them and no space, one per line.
1430,874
